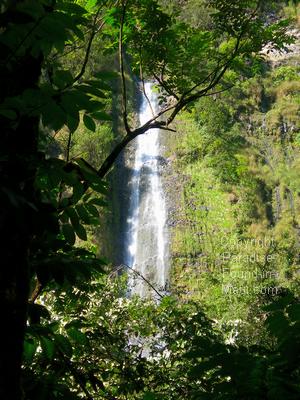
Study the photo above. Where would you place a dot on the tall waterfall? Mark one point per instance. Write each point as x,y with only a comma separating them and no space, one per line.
146,237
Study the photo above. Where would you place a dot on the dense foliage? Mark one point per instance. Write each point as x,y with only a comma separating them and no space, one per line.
63,309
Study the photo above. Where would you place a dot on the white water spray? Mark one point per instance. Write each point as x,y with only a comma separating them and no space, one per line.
146,241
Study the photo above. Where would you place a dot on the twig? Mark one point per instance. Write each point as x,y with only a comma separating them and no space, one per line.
141,276
68,147
143,87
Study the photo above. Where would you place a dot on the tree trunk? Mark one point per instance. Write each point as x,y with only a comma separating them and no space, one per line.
18,210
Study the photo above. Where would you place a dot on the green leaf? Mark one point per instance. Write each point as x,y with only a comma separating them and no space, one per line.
35,9
98,202
94,221
280,304
71,212
37,311
277,324
70,178
83,214
107,74
71,8
91,176
89,123
98,84
81,232
294,312
79,99
94,106
78,191
10,114
101,116
77,336
64,218
68,233
91,4
53,116
98,187
62,78
64,345
48,347
69,104
73,121
29,350
92,210
149,396
92,90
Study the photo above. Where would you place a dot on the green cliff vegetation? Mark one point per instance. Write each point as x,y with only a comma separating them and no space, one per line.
230,326
235,240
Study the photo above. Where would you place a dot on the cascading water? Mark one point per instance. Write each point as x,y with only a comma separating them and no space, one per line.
146,242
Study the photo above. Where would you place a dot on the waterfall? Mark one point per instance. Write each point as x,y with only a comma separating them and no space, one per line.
146,236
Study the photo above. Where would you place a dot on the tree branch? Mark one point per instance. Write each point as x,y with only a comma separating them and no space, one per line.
121,62
219,91
163,84
153,123
166,128
213,73
89,46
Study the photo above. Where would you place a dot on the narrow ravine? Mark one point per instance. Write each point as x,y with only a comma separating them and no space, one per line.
146,238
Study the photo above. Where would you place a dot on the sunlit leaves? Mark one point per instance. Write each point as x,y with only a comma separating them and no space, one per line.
91,4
